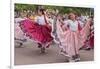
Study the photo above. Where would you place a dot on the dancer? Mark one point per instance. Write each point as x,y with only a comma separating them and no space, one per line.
38,30
70,34
18,34
89,43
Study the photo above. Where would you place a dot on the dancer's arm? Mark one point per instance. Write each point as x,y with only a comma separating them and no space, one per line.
66,25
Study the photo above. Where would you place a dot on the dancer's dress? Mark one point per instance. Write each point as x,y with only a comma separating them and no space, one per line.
37,30
89,43
18,33
70,36
91,40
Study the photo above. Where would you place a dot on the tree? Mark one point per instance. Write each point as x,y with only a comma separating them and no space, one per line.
62,9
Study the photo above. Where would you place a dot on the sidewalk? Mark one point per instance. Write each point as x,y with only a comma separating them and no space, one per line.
30,54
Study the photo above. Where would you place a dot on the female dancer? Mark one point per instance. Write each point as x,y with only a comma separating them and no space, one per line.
69,34
89,43
39,30
18,33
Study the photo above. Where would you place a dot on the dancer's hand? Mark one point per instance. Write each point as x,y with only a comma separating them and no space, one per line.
64,28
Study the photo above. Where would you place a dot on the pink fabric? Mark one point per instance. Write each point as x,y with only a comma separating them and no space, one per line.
90,41
39,33
70,41
18,33
85,32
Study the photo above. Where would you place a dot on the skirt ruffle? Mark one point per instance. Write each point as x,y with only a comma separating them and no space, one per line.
70,42
39,33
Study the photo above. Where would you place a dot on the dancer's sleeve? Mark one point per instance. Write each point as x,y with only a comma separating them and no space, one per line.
66,25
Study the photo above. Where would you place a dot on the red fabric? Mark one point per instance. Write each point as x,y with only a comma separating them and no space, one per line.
91,41
39,33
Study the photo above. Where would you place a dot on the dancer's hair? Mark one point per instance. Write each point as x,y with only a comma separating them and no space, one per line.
42,11
70,15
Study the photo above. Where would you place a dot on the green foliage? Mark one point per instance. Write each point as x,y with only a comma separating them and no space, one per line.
62,9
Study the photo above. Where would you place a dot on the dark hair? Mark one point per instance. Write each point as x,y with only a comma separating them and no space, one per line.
42,10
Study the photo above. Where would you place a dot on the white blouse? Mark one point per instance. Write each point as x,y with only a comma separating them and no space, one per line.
40,20
73,25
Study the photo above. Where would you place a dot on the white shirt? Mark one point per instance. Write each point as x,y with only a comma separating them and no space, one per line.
73,25
40,20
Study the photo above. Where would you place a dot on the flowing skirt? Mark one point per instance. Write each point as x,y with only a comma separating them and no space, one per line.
91,42
70,42
19,36
18,33
85,34
39,33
